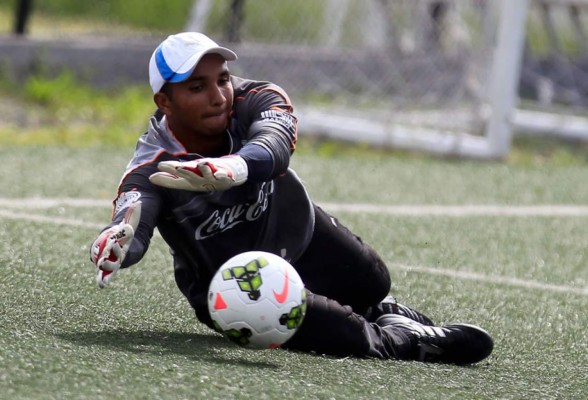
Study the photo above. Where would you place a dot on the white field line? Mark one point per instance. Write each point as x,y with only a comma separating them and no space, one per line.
5,214
554,210
41,202
549,210
502,280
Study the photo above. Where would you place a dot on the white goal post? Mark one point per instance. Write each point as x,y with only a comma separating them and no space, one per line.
497,110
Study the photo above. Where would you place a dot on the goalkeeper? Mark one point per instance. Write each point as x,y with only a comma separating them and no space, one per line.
211,174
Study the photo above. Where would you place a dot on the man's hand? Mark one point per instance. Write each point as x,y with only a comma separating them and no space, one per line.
203,175
110,248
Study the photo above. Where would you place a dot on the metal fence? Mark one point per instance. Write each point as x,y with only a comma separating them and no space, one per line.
422,64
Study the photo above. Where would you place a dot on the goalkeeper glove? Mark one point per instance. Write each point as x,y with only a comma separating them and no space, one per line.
203,175
111,246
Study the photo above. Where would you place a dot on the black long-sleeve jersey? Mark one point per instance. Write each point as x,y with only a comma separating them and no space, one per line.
203,230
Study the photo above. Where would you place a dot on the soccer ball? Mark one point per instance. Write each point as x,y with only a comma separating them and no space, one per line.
257,300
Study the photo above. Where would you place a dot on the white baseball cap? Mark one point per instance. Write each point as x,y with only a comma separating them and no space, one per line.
177,56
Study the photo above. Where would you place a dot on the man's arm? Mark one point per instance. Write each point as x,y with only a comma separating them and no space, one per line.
265,113
109,250
272,131
126,239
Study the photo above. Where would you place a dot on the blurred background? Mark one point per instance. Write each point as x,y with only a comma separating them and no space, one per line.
415,74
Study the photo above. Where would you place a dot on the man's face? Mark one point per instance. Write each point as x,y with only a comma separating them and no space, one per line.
200,105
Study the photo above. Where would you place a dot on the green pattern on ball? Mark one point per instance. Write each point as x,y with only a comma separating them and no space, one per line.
247,277
294,318
239,336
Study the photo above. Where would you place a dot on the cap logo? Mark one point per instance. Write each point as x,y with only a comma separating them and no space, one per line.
168,74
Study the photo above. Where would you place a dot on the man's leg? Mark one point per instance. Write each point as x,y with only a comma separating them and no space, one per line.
332,329
339,265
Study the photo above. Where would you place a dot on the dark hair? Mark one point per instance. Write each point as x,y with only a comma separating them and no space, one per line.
167,90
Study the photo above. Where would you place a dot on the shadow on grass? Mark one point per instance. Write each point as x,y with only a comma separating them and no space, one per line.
198,347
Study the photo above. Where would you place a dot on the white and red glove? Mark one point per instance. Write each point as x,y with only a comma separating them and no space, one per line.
203,175
110,248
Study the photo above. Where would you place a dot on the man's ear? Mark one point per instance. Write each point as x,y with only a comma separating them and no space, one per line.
161,101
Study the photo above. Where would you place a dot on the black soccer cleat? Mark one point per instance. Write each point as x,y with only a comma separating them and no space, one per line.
414,315
390,306
451,344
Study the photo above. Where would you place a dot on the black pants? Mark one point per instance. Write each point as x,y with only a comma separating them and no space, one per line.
339,265
345,277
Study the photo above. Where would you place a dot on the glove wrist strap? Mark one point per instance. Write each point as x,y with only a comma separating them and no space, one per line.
239,167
